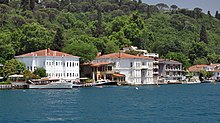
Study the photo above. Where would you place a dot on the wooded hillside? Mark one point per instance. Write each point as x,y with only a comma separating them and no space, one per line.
85,27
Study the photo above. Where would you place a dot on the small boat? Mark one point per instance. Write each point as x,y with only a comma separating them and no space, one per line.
74,85
104,82
50,84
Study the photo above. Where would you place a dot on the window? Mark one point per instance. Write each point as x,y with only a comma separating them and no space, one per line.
73,64
131,64
67,64
56,63
70,64
73,75
67,74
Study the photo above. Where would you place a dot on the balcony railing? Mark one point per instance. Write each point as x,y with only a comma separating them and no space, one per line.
174,70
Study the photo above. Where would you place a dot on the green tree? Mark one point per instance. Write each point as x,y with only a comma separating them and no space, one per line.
174,7
197,51
99,21
24,5
29,75
13,66
200,61
197,13
31,37
6,48
32,4
41,72
209,14
111,47
162,6
87,51
217,15
4,1
179,57
58,42
203,35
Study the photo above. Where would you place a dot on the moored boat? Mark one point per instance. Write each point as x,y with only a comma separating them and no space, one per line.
104,82
50,84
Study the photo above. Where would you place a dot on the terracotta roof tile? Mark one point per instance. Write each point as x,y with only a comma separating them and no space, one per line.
118,75
100,64
122,56
168,60
196,68
46,52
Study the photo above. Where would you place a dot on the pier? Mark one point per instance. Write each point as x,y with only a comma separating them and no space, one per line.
8,86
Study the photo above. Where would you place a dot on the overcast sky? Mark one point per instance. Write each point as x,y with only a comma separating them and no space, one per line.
212,5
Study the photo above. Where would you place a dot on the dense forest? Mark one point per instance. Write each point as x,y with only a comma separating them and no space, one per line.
85,27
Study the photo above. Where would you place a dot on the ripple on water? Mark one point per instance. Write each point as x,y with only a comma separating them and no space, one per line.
169,103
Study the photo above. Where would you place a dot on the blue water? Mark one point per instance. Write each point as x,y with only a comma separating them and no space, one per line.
167,103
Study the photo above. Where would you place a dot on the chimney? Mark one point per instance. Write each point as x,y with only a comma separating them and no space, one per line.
48,50
98,54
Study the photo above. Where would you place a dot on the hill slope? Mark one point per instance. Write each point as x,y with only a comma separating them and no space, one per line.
87,27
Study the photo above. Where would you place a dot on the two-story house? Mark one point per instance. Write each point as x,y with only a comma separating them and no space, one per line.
137,69
170,70
57,64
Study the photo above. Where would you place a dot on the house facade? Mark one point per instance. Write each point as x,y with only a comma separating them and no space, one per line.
170,70
56,64
213,68
137,69
101,71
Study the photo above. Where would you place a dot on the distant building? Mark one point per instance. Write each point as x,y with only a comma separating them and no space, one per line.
137,69
57,64
170,70
145,53
214,68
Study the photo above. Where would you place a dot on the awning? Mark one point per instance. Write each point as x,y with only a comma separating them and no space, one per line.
100,64
118,75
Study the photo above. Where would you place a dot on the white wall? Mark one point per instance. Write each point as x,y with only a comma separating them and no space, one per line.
132,69
63,67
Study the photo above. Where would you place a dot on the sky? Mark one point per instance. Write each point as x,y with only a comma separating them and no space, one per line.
211,5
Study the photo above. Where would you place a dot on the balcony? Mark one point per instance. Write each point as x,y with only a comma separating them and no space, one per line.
174,70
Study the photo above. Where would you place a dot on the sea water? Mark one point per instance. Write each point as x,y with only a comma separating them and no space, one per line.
121,104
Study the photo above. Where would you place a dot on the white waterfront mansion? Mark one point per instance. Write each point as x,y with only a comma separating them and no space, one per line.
57,64
137,69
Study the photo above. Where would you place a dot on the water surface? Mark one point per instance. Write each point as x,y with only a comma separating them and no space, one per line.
167,103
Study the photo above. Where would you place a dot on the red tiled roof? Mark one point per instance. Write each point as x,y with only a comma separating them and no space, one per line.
46,52
122,56
161,60
214,65
100,64
118,75
196,68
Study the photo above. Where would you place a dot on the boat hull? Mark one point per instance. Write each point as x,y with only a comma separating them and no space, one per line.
105,83
66,86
